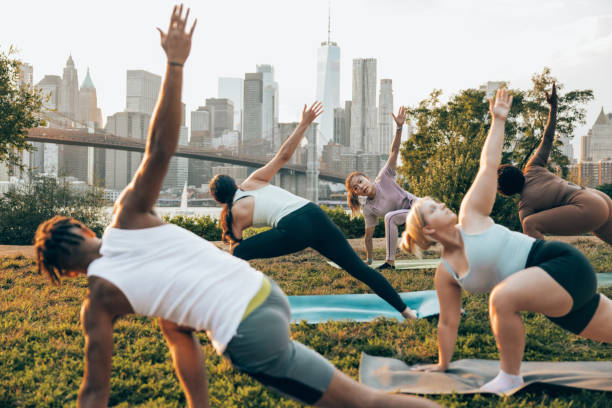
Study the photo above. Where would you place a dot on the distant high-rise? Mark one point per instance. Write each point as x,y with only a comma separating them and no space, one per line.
88,104
252,126
26,74
328,85
348,106
177,173
69,99
201,136
339,122
385,120
120,165
364,115
51,89
597,144
491,87
269,112
142,91
233,89
223,115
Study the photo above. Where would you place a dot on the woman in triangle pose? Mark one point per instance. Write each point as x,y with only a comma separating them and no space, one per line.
296,222
520,272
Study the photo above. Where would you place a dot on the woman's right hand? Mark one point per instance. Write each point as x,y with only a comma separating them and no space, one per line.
428,368
310,114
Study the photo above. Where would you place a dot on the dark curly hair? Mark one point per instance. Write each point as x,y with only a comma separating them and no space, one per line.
223,188
510,180
54,244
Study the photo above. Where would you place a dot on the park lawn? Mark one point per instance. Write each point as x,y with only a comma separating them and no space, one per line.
42,345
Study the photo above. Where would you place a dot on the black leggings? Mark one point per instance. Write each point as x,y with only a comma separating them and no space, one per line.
572,270
310,227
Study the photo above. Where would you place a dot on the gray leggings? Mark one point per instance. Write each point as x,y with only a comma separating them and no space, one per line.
263,349
393,219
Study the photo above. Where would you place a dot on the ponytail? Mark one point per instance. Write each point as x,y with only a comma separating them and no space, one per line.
223,189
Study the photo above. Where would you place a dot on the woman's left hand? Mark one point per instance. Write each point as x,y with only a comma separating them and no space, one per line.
400,119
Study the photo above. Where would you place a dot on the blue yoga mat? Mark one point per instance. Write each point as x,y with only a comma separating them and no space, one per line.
604,279
360,307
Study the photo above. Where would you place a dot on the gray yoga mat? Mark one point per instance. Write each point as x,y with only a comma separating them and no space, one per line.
604,279
467,376
404,263
359,307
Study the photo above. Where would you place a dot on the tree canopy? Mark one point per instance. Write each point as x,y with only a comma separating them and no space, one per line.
20,107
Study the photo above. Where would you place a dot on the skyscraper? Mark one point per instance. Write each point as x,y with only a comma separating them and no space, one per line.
253,107
364,126
232,89
201,136
72,160
88,104
69,98
328,85
385,120
597,144
142,90
223,111
269,110
26,74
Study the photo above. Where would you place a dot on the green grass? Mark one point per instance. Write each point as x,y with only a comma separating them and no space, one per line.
41,363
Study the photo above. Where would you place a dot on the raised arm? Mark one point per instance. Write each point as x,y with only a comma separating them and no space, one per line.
540,157
287,149
98,331
480,198
400,119
140,195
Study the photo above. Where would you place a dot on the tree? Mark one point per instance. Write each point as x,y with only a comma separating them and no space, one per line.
19,110
442,157
24,207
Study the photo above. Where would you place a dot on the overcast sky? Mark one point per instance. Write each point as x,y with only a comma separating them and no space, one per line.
420,45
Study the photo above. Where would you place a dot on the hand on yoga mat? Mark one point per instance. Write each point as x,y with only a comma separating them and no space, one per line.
430,368
409,314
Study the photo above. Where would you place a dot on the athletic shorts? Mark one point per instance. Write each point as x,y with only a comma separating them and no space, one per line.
263,349
573,271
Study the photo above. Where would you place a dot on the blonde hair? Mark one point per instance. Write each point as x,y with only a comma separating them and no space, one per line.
352,199
414,239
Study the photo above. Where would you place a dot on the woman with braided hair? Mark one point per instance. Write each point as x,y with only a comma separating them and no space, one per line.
296,222
144,266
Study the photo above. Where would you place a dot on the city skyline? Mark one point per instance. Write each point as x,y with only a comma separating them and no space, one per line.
398,35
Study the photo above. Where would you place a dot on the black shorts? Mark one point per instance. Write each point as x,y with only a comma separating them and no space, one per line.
573,271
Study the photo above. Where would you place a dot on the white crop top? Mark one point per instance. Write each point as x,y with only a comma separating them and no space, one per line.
271,204
169,272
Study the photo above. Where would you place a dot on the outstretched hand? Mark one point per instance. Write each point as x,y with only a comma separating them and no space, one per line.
552,98
310,114
501,107
400,119
177,42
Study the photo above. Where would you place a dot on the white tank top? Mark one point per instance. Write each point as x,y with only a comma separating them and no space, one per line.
271,204
169,272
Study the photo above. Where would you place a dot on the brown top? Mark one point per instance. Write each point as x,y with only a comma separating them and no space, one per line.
543,190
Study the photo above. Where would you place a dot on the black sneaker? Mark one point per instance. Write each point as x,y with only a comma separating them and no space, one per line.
385,266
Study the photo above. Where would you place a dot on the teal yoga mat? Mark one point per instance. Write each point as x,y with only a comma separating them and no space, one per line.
604,279
404,263
359,307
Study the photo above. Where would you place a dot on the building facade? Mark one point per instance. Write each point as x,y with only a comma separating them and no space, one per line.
364,114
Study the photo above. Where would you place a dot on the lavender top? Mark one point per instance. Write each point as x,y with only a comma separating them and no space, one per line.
389,197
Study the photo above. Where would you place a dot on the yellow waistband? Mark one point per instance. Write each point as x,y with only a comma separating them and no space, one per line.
259,297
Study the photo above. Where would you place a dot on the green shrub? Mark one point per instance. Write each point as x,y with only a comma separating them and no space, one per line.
205,226
22,209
